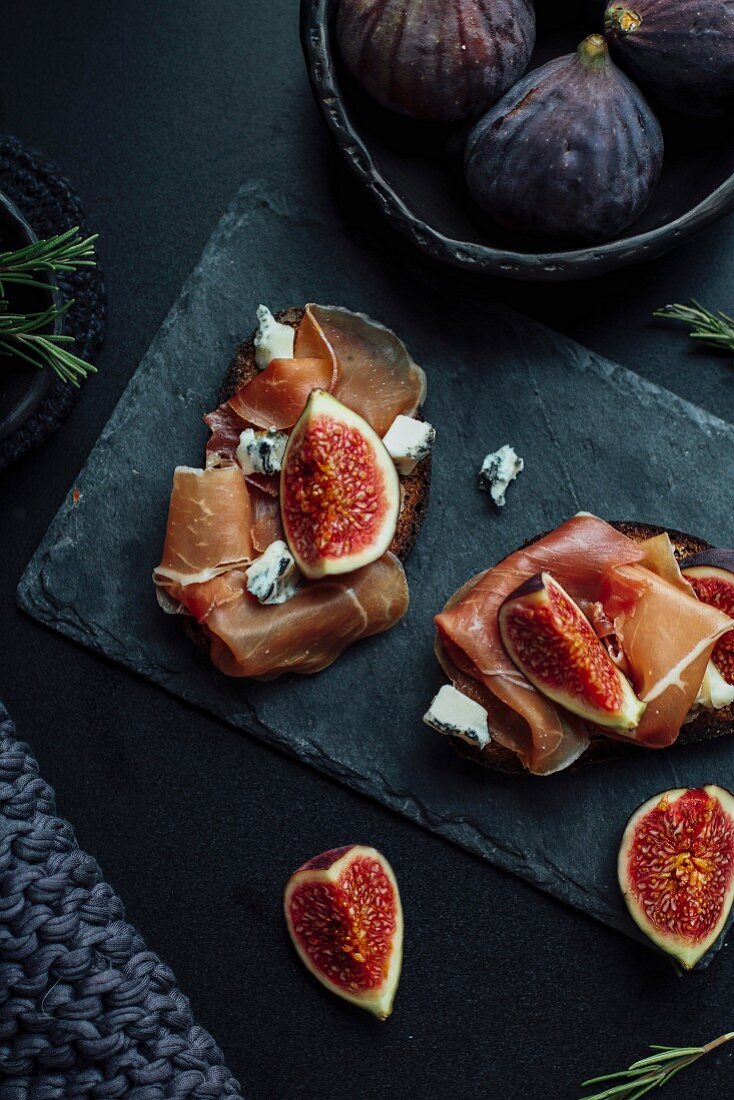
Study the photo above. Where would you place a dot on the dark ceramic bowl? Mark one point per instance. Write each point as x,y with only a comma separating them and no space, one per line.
414,171
22,388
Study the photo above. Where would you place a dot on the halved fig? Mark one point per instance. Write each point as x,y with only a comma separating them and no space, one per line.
551,641
344,916
711,574
339,490
676,869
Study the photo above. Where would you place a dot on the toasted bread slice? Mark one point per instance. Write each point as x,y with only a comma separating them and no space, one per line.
415,487
703,727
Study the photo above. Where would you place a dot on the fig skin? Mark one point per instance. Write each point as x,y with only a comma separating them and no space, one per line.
436,60
572,153
680,51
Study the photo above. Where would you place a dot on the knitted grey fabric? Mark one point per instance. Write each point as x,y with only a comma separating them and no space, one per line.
86,1010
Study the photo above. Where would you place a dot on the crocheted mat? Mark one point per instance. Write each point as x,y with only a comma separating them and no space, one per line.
86,1010
51,206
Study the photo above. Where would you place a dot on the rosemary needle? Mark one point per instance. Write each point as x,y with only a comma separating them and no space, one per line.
651,1072
714,329
26,336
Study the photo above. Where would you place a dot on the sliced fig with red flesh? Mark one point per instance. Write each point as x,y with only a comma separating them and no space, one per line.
551,641
344,916
711,574
339,490
676,869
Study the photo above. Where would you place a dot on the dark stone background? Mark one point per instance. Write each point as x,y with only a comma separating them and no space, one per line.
158,112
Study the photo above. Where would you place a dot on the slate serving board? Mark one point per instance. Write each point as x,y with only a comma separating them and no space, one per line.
594,436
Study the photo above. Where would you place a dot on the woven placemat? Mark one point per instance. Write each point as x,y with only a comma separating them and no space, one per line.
87,1012
51,205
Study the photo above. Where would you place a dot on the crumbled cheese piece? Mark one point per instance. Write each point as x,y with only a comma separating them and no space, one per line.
261,452
408,441
714,692
273,577
272,340
498,470
456,715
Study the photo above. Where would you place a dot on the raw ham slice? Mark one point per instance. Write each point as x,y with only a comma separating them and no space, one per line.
225,426
209,524
578,554
508,727
267,526
277,396
667,638
375,375
307,633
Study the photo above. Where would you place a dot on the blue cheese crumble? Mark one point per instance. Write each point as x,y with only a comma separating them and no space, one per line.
498,470
272,340
261,452
456,715
273,577
408,442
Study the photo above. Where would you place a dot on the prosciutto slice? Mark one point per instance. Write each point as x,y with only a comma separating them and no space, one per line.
267,526
209,526
667,637
303,635
277,396
634,589
375,374
578,554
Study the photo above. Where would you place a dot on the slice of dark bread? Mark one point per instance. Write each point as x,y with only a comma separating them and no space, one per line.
415,487
703,727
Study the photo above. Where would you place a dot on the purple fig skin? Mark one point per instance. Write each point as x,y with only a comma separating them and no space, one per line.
571,153
715,558
681,51
436,60
527,588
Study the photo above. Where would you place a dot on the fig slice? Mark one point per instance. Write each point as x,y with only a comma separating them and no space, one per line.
339,490
344,916
676,869
711,575
553,644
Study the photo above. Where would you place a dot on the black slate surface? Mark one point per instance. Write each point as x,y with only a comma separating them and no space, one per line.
594,436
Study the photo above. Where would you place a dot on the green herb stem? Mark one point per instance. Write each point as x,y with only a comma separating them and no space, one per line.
651,1072
25,336
714,329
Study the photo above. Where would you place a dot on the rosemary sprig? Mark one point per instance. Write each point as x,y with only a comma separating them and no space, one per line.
22,336
25,336
65,252
714,329
651,1072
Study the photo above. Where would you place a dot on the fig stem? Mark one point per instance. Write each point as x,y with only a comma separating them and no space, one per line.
620,21
593,51
651,1072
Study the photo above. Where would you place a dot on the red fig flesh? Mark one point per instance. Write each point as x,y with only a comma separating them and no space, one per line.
553,644
676,869
339,490
344,916
711,574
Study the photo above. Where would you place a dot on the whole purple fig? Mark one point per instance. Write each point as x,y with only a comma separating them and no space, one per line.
681,50
436,60
571,153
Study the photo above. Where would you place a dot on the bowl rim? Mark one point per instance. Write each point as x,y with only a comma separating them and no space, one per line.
545,266
45,378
